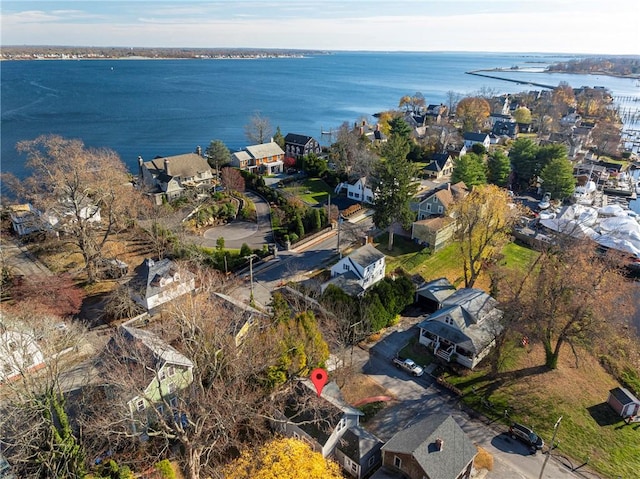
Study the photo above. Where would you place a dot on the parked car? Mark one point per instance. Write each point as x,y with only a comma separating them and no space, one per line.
408,365
526,435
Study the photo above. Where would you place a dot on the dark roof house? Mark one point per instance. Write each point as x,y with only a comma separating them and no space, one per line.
432,448
296,146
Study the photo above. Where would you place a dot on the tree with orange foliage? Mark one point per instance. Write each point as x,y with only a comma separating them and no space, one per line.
473,111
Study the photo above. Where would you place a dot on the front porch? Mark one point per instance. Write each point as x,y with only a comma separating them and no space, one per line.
446,350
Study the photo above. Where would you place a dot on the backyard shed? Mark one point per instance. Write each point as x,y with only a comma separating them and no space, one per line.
623,402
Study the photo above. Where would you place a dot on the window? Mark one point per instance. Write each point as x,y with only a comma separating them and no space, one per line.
140,404
428,207
345,266
171,387
440,209
296,435
12,346
397,462
160,409
171,370
173,402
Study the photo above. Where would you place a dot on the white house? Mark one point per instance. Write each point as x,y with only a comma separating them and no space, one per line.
359,271
471,139
19,354
158,282
357,190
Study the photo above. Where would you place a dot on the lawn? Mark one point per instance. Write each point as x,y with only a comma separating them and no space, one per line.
537,397
312,190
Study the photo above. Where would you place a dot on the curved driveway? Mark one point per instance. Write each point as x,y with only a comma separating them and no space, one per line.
238,232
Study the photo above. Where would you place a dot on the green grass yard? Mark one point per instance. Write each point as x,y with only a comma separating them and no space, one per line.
312,190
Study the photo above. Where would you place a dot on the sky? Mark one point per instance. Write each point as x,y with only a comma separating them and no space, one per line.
558,26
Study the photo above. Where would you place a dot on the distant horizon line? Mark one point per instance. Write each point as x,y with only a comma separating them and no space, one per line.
317,50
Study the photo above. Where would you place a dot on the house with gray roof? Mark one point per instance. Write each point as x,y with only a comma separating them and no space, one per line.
441,165
171,176
358,271
330,426
435,447
156,283
162,372
262,159
464,328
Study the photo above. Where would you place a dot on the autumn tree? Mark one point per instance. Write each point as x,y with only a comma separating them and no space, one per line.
573,296
484,220
85,191
470,169
282,458
522,115
218,155
232,180
498,168
37,437
473,112
563,98
56,295
258,130
413,103
606,136
394,185
557,178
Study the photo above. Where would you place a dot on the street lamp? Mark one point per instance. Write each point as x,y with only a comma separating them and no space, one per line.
553,440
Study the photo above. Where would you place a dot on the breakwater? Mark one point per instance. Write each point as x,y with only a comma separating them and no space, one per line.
519,82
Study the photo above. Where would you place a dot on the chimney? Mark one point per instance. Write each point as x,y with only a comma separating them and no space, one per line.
198,150
140,162
166,166
377,126
362,130
439,444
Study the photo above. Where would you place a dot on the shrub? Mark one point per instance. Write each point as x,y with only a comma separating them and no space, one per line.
483,460
165,469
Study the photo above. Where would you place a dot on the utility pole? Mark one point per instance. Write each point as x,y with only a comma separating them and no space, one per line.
553,440
339,227
250,258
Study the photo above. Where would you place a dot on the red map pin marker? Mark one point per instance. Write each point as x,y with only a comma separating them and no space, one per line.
319,379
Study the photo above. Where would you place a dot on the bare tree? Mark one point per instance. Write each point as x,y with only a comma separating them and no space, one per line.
84,193
232,180
259,129
35,352
220,408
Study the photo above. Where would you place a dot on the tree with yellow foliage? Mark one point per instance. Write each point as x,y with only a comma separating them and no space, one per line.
484,220
284,458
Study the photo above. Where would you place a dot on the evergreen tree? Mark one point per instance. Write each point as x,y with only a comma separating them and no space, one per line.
394,186
217,155
278,138
498,168
469,168
523,157
557,178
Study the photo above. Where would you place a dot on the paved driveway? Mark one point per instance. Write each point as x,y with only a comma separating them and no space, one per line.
239,232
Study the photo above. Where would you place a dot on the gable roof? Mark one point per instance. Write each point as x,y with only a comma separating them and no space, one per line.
265,150
438,161
419,440
295,139
436,223
365,255
357,442
148,275
183,166
478,137
162,352
437,290
317,416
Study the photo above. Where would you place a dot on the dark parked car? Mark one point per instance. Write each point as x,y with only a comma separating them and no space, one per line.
526,435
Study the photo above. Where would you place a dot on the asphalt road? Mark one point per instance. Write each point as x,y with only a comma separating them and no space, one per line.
422,396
